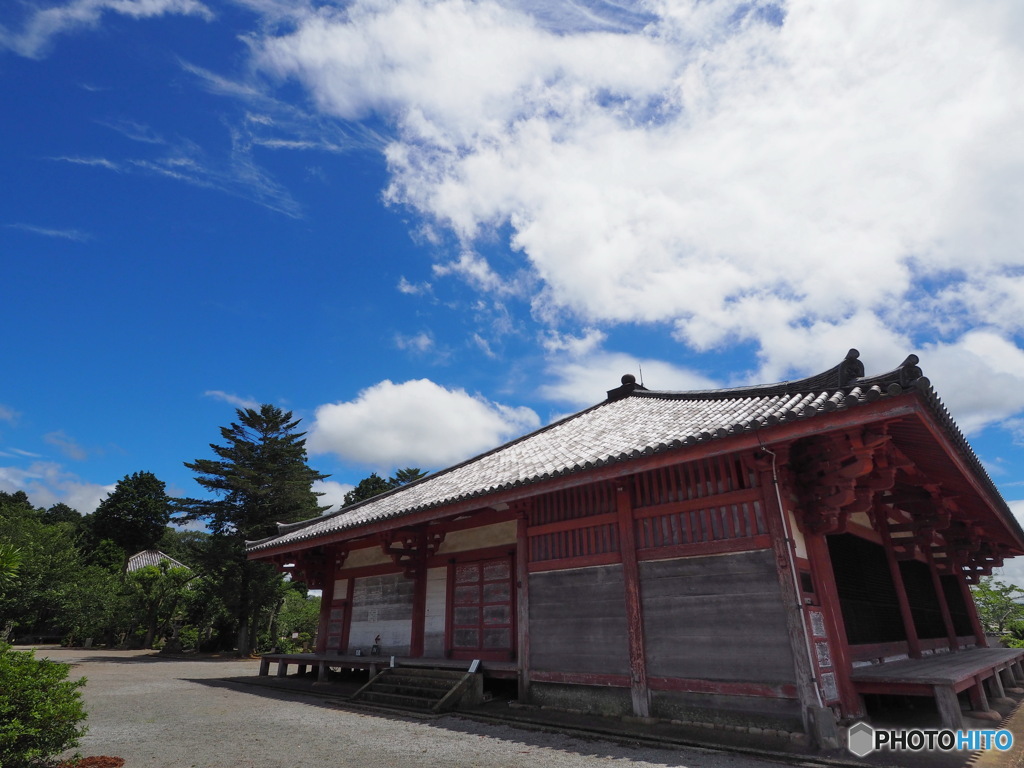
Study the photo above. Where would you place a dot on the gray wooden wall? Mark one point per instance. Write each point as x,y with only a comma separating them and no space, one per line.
717,617
578,621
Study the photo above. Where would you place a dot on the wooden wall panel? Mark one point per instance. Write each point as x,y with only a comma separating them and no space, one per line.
382,605
716,618
578,621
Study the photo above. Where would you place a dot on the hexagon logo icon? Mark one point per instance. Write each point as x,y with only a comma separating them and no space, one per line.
860,739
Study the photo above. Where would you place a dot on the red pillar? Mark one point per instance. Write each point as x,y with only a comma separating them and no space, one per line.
634,606
824,578
523,606
940,593
326,598
913,642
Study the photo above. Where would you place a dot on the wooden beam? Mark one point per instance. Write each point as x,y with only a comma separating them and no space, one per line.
634,605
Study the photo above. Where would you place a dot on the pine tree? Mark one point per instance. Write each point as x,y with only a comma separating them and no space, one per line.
260,478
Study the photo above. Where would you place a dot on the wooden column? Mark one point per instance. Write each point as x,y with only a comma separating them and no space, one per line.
634,606
326,598
828,596
523,606
419,598
913,642
940,593
796,626
972,610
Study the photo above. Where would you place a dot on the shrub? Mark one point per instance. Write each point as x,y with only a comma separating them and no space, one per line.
40,709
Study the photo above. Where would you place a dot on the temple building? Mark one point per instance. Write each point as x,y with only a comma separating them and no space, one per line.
779,555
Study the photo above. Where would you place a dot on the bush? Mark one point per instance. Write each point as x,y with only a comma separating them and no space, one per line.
40,709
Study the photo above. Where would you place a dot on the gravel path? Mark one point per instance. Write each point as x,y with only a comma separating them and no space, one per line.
182,714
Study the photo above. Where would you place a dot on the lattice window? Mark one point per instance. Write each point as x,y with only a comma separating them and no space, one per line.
572,503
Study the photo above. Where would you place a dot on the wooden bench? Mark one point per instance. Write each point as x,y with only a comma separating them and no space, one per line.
943,676
322,661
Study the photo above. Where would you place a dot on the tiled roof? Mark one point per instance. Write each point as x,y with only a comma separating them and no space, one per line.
151,557
632,422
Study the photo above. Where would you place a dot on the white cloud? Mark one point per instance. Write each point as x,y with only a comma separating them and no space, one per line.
233,399
8,414
980,378
808,179
583,380
42,24
414,423
48,483
333,493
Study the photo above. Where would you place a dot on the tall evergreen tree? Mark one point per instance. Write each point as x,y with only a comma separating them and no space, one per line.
260,478
134,515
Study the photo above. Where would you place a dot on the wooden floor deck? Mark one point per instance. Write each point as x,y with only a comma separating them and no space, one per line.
944,676
326,661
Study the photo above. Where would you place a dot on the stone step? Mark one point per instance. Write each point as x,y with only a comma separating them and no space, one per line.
424,682
411,690
398,700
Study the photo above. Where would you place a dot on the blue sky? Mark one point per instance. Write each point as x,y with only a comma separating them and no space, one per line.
428,227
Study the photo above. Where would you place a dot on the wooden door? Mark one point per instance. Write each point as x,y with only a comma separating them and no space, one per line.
481,616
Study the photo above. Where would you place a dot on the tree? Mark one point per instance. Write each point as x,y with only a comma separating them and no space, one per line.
374,485
40,709
406,476
134,515
157,592
367,488
998,604
259,477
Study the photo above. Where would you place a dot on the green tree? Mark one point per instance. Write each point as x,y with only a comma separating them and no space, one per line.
998,604
134,515
40,709
10,559
259,478
157,593
406,476
367,488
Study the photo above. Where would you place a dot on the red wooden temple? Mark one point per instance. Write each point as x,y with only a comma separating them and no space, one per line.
769,554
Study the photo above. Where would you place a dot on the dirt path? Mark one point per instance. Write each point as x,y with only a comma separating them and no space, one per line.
180,714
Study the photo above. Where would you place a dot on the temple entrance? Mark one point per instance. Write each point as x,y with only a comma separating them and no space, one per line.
481,624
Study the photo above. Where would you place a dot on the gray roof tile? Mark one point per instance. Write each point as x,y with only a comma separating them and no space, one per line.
633,421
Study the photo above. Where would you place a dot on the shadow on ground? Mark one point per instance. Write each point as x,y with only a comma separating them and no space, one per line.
531,727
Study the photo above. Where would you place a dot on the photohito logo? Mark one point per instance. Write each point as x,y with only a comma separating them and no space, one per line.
862,739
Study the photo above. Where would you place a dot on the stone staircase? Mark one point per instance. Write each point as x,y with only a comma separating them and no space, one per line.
424,689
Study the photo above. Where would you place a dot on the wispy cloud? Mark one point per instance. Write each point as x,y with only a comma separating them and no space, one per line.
64,234
420,342
67,445
8,414
41,25
27,454
235,400
133,130
100,162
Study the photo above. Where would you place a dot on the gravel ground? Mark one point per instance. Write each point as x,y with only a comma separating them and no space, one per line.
183,714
